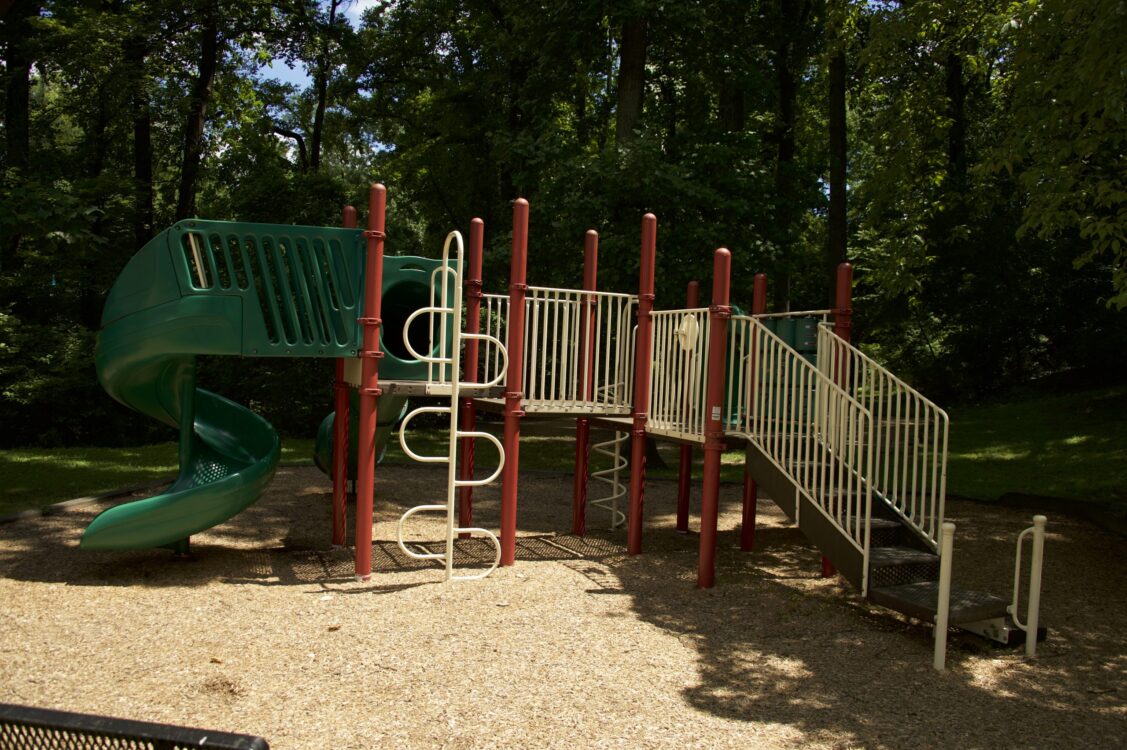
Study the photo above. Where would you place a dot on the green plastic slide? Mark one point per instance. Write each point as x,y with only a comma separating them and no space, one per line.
390,410
222,288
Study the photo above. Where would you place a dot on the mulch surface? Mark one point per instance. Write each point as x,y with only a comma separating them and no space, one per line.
265,631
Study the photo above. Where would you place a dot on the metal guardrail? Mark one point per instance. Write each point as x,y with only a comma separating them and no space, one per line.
679,373
1036,563
803,422
567,331
29,728
909,434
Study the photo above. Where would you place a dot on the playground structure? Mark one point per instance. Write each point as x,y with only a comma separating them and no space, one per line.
852,454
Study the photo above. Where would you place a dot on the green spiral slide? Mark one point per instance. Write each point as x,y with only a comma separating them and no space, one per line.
244,290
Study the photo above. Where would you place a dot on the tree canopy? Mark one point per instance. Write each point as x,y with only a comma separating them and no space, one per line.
967,157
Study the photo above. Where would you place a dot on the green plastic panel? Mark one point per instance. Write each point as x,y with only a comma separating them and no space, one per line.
300,286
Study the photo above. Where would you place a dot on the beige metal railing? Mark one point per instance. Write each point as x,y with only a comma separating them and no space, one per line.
678,377
805,424
909,434
568,331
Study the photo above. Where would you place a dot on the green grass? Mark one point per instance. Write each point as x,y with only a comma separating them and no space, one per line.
1071,445
36,477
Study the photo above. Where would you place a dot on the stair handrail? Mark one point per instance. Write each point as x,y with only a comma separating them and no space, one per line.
909,433
1033,609
449,304
819,438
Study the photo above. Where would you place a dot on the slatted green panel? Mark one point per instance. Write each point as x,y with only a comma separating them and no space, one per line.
300,286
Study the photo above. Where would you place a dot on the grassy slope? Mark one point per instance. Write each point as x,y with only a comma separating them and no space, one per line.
35,477
1070,445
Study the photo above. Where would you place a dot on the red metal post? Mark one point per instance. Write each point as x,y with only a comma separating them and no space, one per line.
843,296
586,384
718,315
685,468
843,324
469,370
514,385
369,380
643,364
751,487
340,430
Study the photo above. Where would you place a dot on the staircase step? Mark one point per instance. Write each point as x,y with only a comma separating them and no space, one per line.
920,600
895,566
882,532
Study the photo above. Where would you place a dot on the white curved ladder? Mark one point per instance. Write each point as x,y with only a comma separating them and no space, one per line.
449,310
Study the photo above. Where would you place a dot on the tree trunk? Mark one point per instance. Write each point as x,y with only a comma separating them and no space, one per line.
322,92
732,111
631,79
17,102
957,134
785,148
287,133
197,116
142,167
836,247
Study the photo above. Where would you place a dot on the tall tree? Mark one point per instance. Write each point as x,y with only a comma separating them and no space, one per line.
210,49
837,235
631,78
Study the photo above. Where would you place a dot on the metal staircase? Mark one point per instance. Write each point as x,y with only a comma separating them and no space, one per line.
857,458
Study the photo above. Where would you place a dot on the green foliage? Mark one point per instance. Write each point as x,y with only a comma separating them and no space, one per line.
987,205
1066,95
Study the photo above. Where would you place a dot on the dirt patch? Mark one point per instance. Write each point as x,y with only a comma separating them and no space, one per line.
264,631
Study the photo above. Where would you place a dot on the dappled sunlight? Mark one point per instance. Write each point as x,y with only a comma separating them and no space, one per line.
994,453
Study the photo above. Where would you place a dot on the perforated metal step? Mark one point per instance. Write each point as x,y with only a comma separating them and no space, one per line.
920,600
893,566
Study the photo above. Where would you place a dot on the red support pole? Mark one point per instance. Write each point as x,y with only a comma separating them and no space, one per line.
751,487
843,295
685,467
369,380
340,431
843,324
643,364
513,382
719,314
469,370
586,383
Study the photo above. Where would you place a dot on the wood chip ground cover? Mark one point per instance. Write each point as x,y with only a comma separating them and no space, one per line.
578,645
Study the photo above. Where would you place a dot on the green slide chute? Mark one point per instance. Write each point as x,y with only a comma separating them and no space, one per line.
221,288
